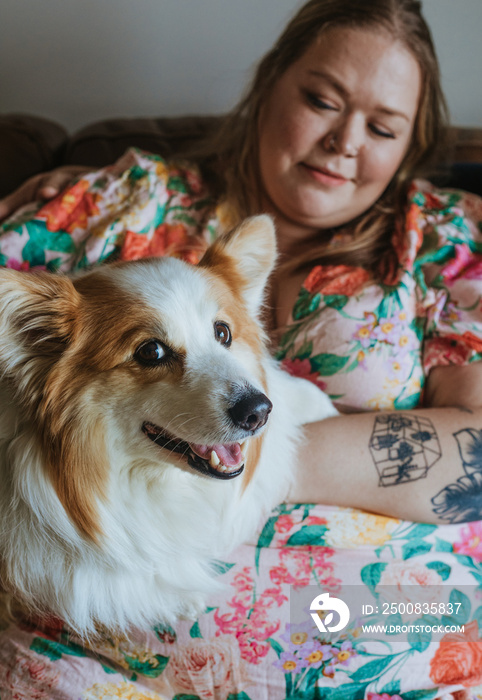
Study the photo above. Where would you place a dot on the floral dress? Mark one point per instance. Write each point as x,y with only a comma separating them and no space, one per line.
368,345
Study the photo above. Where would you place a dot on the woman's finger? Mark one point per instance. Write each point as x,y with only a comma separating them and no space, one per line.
49,191
55,181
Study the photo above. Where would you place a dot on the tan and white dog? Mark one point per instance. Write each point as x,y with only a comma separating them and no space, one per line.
137,439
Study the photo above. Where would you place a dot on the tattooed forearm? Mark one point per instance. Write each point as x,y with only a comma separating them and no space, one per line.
403,447
462,501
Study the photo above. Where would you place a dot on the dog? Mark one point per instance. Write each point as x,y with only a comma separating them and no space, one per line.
145,431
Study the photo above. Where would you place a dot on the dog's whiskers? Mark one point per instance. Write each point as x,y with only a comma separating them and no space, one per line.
174,439
176,417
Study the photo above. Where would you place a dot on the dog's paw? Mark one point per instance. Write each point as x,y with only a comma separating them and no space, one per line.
319,405
194,604
309,404
324,407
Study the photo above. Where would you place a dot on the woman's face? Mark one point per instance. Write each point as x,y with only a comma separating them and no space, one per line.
336,127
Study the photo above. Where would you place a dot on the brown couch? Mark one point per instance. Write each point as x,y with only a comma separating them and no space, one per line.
30,144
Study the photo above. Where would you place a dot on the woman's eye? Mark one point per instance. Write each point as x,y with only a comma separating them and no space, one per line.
151,353
381,132
319,103
222,333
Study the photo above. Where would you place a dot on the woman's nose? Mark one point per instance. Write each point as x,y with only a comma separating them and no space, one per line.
346,138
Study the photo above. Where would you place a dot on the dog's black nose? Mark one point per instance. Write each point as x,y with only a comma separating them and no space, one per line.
251,412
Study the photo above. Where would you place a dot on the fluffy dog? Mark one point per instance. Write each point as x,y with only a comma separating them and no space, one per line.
137,439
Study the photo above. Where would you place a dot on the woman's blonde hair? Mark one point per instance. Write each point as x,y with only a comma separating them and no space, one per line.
236,144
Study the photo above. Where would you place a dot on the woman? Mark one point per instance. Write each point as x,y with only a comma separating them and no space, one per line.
376,299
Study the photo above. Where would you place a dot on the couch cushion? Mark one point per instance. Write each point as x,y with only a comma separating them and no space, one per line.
466,176
103,142
28,145
465,144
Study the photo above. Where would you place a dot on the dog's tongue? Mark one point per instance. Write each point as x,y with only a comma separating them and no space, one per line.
229,455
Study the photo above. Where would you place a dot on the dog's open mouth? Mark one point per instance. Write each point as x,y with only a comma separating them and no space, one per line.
218,461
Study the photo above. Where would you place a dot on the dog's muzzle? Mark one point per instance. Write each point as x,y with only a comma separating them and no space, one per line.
221,461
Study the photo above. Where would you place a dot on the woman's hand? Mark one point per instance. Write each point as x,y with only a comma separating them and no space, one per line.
41,186
455,385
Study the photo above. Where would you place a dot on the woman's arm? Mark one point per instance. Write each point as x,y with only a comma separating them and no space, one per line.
42,186
423,465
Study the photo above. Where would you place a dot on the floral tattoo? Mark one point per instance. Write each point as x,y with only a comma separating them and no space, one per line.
462,501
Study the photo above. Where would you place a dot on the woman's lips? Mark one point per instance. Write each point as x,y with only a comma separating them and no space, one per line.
325,177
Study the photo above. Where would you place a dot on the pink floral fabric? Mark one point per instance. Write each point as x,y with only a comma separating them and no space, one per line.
252,643
371,345
368,345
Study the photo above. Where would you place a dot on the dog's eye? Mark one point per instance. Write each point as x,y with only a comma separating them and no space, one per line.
151,353
222,333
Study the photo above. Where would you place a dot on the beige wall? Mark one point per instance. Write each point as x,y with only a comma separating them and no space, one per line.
82,60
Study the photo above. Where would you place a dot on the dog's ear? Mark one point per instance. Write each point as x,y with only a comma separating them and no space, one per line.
245,257
37,316
39,319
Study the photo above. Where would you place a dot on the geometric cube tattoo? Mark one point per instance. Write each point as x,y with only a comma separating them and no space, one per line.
403,448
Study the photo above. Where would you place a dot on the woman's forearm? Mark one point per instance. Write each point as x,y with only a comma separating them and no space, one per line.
423,465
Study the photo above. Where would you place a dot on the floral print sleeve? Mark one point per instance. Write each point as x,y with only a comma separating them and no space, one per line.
140,206
449,270
371,345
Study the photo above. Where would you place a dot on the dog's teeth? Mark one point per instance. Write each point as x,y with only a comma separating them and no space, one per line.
244,448
214,460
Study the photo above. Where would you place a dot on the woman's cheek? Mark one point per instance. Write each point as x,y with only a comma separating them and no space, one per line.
290,136
380,167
